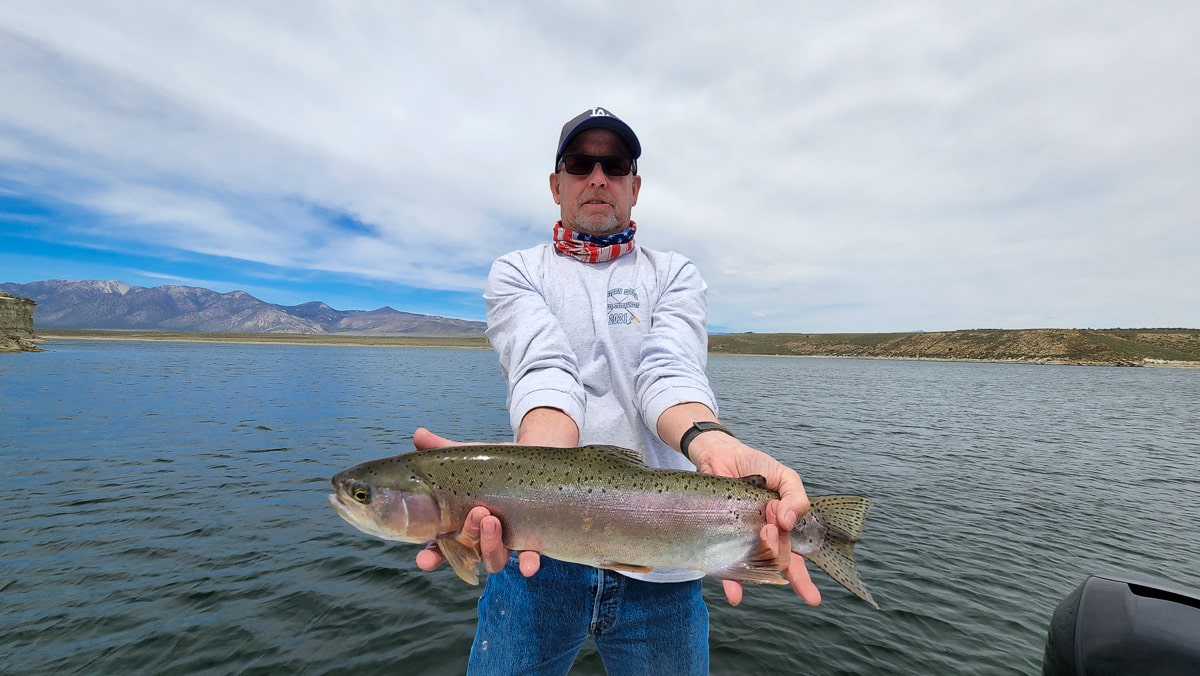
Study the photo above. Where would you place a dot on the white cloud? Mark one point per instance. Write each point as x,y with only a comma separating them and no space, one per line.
875,167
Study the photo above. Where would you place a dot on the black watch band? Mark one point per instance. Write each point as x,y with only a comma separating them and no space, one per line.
696,430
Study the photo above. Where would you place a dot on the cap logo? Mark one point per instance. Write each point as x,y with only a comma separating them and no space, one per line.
600,112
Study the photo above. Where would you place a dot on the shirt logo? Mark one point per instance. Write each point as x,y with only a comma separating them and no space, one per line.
623,307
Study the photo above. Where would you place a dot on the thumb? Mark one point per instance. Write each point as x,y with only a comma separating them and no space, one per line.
423,439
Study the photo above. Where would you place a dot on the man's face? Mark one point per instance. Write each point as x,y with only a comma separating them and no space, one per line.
597,204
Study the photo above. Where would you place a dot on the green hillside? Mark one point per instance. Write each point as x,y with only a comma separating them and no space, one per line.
1132,347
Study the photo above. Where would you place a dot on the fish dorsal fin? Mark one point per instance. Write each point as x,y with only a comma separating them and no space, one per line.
623,453
756,480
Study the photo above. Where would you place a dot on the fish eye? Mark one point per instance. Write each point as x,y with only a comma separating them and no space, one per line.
361,492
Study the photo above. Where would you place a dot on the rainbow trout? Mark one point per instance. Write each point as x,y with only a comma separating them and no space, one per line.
596,505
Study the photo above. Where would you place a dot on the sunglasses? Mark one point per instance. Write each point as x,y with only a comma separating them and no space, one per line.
578,164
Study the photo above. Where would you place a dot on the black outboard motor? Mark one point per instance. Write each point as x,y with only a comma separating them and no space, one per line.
1117,625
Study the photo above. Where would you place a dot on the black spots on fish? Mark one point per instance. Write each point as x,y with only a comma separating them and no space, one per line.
756,480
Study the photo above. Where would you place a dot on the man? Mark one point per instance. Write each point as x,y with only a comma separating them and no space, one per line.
604,342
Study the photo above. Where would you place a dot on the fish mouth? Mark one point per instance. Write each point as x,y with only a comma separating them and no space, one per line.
348,511
362,518
343,510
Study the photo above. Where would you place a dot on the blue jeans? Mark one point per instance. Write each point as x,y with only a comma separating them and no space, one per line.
537,625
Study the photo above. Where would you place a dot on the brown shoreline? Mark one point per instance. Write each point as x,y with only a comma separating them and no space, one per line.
1114,347
356,340
1093,347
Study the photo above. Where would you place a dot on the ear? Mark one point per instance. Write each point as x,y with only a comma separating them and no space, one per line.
554,187
637,186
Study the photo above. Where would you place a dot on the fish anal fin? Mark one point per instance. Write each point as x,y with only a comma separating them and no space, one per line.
761,565
756,480
743,573
462,553
623,567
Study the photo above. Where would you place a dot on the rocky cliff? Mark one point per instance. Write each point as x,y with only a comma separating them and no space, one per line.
16,324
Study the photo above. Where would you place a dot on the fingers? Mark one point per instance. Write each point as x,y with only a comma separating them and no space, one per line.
802,584
429,558
471,526
485,530
735,459
491,544
529,562
733,591
796,572
775,518
793,501
496,555
423,439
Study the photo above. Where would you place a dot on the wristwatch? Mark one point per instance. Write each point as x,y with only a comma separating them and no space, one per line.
696,430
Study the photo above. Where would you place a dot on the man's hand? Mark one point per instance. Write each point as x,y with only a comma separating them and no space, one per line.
723,455
480,526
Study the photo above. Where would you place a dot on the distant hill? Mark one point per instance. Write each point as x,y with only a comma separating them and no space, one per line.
112,305
1118,347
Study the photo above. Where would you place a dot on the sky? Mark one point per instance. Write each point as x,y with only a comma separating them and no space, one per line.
829,167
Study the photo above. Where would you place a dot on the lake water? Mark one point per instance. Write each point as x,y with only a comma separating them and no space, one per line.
164,506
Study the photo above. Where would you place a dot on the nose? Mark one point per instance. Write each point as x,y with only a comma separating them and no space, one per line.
597,178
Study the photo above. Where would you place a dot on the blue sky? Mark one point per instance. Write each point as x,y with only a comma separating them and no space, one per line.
875,167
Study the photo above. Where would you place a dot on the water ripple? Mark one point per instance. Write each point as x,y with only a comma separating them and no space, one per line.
165,506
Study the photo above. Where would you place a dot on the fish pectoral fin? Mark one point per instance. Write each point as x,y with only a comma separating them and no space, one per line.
462,553
623,567
761,565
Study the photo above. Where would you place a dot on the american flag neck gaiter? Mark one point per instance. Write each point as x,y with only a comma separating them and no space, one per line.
593,248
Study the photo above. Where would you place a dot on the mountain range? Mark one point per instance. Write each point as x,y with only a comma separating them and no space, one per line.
96,304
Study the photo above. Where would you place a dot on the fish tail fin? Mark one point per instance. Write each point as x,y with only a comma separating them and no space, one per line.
844,516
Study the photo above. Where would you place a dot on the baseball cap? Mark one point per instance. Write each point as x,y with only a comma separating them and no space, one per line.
597,118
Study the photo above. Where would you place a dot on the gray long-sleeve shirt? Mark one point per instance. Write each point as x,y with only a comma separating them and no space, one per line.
611,344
